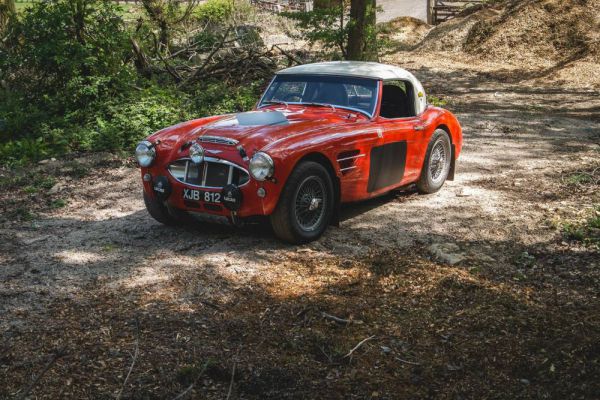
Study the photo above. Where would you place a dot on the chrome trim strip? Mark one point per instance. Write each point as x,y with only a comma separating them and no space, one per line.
358,110
217,140
350,158
187,169
347,168
230,175
204,172
210,159
371,115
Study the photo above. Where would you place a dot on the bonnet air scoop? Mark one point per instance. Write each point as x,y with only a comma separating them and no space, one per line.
261,118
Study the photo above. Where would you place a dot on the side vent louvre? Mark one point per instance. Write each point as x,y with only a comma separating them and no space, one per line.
346,160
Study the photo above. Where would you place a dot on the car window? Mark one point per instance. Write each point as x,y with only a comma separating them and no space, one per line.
347,92
397,100
288,91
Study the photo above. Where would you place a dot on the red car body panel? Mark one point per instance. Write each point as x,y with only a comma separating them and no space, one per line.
323,133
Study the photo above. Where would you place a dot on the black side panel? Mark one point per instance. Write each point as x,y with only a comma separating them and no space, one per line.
387,165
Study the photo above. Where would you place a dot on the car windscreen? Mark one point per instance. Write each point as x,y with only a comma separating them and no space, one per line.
340,91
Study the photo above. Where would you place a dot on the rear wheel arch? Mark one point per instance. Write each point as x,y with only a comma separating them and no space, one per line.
445,128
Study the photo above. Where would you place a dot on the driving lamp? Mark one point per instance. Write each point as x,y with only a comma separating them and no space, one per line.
196,153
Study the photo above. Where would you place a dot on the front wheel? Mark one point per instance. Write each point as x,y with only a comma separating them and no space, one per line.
163,214
437,163
306,204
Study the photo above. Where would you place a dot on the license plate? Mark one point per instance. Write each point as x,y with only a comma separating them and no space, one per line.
201,195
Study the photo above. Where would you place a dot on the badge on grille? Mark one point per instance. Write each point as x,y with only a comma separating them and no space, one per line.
162,187
231,197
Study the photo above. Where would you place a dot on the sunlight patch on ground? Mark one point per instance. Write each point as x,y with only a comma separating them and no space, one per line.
145,276
78,257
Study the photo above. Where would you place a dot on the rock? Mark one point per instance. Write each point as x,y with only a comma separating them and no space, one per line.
386,349
484,257
56,188
462,192
448,253
47,161
30,241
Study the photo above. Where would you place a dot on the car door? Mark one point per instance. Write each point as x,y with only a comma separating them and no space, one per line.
392,160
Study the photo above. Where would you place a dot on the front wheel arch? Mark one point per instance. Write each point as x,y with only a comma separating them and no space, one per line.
322,159
284,219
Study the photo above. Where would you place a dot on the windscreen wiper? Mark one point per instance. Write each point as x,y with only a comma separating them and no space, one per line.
320,105
276,102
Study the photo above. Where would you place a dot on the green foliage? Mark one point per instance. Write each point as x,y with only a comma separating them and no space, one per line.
324,26
58,203
69,83
122,123
75,47
436,101
217,98
215,11
580,178
586,231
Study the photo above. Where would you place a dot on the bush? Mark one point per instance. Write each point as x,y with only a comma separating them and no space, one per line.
219,98
69,84
215,11
75,48
63,58
121,124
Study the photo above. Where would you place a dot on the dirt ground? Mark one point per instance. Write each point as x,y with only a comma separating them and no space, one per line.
474,292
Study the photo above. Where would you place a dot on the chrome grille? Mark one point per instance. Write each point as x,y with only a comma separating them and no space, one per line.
217,139
212,173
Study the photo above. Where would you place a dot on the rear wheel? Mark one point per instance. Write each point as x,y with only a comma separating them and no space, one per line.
437,163
163,214
306,204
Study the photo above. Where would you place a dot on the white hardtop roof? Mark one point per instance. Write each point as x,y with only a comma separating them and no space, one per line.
351,68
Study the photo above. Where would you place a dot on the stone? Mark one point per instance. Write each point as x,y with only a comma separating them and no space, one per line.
448,253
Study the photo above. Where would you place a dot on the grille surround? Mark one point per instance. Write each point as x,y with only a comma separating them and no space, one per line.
180,171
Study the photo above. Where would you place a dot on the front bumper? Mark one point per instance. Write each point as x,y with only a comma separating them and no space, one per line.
251,203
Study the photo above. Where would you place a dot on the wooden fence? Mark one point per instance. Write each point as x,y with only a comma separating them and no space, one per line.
283,5
443,10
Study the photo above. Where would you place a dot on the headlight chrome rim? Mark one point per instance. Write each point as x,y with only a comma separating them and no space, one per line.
196,153
261,166
145,153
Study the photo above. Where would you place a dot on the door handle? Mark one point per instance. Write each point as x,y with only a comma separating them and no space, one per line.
419,128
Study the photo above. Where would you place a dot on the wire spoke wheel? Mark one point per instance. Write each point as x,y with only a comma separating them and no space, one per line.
310,203
437,161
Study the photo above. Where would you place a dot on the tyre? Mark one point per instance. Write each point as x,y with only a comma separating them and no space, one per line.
437,163
163,214
306,204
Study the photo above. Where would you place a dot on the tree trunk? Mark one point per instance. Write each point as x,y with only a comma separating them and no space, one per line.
362,39
7,10
157,11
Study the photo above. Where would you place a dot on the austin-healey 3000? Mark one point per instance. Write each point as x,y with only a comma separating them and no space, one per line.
321,135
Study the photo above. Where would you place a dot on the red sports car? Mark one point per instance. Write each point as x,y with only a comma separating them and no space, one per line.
322,134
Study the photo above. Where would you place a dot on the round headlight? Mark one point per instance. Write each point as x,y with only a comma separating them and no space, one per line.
196,153
145,153
261,166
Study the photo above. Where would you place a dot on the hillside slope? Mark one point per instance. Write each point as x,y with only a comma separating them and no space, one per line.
560,39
